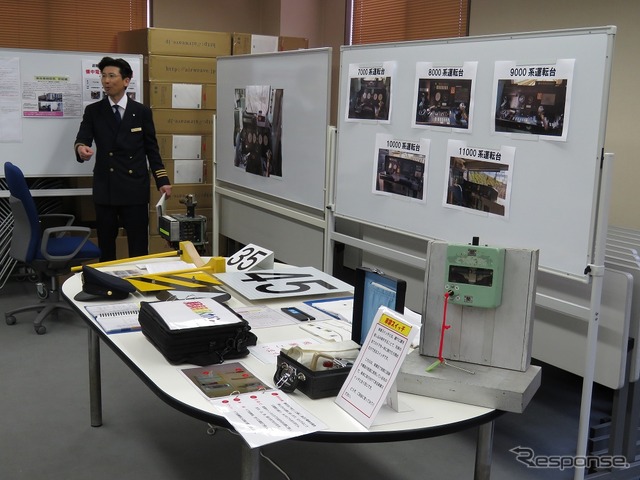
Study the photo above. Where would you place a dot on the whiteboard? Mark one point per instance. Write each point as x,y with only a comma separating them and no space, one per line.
41,141
298,86
553,180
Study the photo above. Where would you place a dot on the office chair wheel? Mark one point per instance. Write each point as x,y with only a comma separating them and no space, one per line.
42,291
10,319
40,329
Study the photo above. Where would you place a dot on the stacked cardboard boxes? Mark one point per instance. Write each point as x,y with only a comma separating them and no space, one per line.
180,87
292,43
247,43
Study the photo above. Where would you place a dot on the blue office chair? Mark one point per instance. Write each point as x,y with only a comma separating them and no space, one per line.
49,244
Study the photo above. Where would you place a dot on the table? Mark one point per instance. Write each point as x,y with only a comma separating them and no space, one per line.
169,384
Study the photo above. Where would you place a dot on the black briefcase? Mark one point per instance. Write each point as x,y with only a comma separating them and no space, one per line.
219,333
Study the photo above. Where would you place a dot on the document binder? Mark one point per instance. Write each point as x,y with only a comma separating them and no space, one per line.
199,331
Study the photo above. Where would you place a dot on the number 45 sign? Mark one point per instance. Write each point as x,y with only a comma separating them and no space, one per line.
286,281
251,257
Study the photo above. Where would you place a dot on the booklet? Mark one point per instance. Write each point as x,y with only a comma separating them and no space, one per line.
116,317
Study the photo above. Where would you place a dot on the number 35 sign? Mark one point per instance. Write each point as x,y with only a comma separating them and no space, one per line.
251,257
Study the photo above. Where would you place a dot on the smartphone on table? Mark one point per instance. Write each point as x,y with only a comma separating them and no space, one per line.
297,314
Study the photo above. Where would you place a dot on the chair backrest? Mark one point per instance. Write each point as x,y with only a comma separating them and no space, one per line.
26,227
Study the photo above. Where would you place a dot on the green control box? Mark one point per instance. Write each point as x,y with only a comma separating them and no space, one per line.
474,275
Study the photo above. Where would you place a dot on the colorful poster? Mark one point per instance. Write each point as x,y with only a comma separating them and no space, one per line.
92,83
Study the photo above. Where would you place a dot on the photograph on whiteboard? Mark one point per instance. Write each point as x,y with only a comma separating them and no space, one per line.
400,167
533,99
370,92
443,96
257,132
478,180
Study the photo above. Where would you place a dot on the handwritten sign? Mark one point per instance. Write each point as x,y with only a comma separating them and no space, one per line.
372,376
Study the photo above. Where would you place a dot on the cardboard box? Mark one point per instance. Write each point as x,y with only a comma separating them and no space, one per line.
180,95
189,171
292,43
171,69
157,244
181,121
122,247
245,43
184,147
85,209
169,41
81,182
203,194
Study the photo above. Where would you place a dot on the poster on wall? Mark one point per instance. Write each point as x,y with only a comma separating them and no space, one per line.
370,95
92,90
400,167
51,96
257,132
478,180
533,99
10,122
443,96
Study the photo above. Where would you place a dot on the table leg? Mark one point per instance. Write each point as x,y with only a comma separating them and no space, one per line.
250,462
95,382
484,450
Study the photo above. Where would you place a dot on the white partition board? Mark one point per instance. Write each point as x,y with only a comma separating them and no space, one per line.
625,231
40,142
557,335
634,323
554,184
623,245
301,79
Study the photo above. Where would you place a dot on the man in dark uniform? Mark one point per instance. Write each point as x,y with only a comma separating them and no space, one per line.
125,139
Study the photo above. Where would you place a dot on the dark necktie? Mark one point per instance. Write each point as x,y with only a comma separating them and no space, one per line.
116,113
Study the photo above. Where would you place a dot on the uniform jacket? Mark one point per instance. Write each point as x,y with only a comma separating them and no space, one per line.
121,172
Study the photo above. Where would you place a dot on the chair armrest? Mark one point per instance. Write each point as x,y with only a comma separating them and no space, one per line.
48,220
60,232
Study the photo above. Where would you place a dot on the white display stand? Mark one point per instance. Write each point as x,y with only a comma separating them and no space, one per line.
285,213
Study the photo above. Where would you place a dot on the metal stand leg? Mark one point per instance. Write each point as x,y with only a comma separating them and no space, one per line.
618,415
484,450
630,442
250,463
95,382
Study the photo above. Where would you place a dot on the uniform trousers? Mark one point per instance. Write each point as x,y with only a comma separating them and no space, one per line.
133,218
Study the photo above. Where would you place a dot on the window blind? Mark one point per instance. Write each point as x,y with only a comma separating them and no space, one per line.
86,25
378,21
